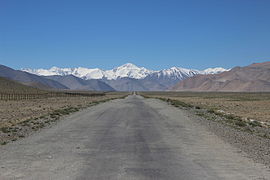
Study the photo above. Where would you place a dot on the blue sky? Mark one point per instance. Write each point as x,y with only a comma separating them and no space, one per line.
155,34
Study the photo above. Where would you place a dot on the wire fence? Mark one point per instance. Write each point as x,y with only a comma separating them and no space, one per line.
13,96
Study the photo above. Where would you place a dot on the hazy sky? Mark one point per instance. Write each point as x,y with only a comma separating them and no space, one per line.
155,34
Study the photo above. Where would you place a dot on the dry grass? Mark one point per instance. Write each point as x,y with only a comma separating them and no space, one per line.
246,105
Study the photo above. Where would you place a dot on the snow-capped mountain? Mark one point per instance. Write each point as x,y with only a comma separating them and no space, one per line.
127,70
176,73
216,70
80,72
171,76
129,76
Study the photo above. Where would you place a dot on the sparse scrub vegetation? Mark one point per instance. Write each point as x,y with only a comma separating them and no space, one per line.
240,123
3,143
177,103
65,111
5,130
211,110
255,123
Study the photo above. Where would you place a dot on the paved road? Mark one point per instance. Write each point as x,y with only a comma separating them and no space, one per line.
132,138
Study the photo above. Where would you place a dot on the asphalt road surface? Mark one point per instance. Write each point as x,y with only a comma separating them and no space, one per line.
132,138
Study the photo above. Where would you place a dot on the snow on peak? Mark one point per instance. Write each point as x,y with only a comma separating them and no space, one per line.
127,70
49,72
176,73
216,70
129,66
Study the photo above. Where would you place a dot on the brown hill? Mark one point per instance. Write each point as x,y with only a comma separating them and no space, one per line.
75,83
12,87
252,78
29,79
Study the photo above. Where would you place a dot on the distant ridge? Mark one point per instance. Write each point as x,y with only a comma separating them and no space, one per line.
75,83
29,79
53,82
13,87
252,78
128,77
128,70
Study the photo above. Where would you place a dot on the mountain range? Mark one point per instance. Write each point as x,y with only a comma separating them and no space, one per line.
128,70
29,79
127,77
65,82
252,78
75,83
